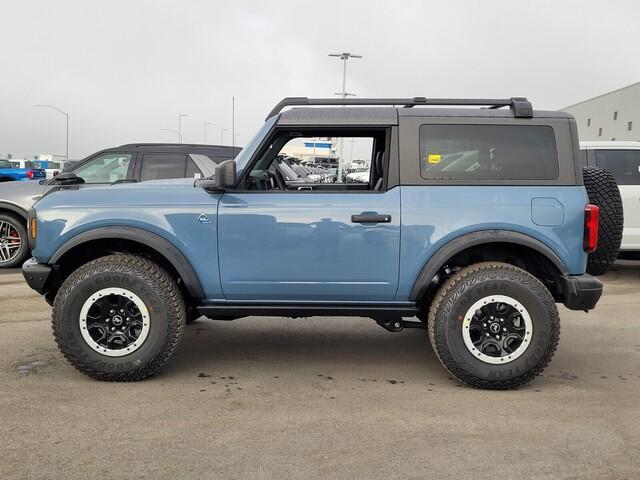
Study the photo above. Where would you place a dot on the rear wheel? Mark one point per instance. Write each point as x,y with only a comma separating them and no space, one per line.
118,318
494,326
14,247
603,191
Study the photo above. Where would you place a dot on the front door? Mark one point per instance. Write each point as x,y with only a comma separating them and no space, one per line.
313,230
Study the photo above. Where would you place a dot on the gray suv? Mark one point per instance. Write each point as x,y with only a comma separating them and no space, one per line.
127,163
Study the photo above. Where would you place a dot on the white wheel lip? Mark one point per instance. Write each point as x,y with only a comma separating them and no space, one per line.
108,352
526,341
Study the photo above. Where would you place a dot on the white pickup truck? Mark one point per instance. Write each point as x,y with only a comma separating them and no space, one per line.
622,159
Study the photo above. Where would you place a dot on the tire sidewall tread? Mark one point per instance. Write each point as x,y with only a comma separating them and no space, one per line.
157,290
470,284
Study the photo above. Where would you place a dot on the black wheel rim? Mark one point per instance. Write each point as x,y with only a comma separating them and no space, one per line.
114,322
497,329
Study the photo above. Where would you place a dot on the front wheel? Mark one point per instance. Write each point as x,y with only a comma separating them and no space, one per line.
494,326
118,318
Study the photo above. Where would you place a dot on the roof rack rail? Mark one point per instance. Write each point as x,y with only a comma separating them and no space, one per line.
521,106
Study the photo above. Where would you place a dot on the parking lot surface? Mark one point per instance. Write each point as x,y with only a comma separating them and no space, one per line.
321,398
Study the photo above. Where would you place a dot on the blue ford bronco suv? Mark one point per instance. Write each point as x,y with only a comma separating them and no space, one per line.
474,220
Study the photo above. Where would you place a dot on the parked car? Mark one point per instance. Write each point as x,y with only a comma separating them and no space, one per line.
359,176
622,160
132,162
480,252
51,167
11,173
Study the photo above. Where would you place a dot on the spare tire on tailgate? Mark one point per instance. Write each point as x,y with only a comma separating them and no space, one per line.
603,191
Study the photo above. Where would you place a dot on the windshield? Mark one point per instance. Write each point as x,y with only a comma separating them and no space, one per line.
245,154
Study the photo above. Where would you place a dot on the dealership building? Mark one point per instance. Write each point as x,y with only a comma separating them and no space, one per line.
611,116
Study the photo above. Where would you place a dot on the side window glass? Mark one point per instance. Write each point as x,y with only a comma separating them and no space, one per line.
326,160
157,166
106,168
623,164
488,152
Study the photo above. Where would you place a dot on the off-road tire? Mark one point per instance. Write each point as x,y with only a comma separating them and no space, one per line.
459,292
19,224
155,288
603,191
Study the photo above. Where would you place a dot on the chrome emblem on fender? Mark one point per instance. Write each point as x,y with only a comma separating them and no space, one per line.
203,218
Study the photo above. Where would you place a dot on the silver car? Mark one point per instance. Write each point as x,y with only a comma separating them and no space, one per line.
127,163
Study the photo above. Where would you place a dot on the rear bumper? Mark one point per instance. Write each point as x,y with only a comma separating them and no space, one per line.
580,292
36,274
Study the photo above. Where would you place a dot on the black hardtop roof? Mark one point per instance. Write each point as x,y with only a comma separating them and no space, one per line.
390,115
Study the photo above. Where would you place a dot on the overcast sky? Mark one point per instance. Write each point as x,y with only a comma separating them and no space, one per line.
125,69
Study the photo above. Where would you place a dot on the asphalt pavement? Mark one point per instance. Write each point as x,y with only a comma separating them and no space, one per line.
337,398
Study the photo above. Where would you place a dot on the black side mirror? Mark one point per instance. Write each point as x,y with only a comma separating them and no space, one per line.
67,178
224,178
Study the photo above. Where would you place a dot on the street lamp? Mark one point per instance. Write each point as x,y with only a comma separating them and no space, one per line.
180,115
233,122
222,130
344,56
205,131
66,156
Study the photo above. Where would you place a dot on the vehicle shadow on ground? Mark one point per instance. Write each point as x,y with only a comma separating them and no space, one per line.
279,345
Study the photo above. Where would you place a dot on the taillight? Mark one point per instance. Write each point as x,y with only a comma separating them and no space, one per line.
30,174
590,241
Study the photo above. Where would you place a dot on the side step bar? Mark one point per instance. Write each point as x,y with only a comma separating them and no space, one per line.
307,310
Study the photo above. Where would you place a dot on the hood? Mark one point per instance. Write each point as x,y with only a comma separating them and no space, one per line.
152,193
23,194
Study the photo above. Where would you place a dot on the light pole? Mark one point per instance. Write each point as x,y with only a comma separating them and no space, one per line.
344,56
222,130
205,131
233,122
172,131
180,115
66,155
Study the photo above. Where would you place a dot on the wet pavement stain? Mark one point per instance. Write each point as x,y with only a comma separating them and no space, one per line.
31,367
567,376
395,382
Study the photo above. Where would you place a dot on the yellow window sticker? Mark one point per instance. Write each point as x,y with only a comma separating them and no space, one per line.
434,158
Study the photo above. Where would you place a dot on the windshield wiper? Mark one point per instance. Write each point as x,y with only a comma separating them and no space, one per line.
125,180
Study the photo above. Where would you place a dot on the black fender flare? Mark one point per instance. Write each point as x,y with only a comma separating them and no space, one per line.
164,247
457,245
15,209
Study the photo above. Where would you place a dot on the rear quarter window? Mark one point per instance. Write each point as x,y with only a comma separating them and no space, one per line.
488,152
623,164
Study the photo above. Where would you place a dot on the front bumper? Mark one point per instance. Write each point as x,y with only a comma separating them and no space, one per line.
580,292
36,274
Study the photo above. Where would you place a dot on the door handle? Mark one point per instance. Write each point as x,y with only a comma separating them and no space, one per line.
370,218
